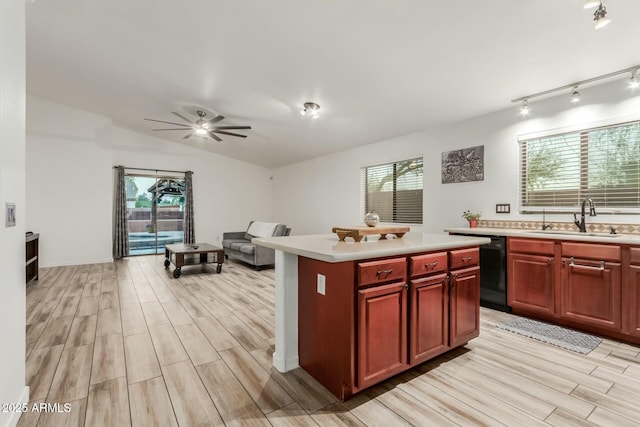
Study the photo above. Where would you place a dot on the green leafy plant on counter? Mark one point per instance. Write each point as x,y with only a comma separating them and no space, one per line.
469,216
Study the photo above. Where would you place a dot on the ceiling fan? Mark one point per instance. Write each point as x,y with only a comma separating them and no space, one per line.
202,127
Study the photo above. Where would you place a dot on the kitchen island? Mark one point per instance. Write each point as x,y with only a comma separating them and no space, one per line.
349,313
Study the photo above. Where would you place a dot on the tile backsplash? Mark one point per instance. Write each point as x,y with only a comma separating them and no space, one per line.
592,227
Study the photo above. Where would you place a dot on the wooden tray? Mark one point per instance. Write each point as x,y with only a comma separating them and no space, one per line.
357,233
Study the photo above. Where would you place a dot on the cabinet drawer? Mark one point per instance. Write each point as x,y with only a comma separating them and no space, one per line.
635,256
428,264
382,271
464,258
531,246
591,251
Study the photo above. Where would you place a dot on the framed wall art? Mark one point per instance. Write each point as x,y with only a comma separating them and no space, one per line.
463,165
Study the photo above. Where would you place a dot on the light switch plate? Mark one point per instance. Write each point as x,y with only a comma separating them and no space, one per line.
10,218
503,208
322,281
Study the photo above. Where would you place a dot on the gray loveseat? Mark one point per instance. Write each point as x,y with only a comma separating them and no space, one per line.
237,244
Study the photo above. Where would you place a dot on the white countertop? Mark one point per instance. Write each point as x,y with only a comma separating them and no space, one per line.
326,247
625,239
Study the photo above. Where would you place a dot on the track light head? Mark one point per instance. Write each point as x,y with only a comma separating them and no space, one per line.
600,16
588,4
633,81
575,95
524,108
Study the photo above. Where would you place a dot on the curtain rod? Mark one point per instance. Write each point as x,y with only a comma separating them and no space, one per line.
152,170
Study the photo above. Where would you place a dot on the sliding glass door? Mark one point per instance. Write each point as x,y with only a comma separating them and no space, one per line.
155,212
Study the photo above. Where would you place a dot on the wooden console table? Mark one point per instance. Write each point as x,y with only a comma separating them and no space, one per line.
32,257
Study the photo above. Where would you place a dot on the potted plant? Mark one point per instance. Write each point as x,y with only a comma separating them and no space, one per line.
472,217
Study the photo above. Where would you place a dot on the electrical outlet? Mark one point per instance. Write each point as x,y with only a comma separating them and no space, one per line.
322,281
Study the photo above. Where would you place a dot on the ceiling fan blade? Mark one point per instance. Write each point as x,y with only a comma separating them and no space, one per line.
231,127
214,136
182,117
216,119
169,129
228,133
170,123
187,136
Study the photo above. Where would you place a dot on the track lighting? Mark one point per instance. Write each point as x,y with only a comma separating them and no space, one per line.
575,95
588,4
633,81
311,109
600,16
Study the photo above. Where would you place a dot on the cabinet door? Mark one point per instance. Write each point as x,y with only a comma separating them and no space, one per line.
591,293
530,285
464,302
634,303
382,332
429,318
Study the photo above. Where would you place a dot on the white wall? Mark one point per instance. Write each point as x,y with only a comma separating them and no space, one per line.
71,154
12,188
315,195
69,185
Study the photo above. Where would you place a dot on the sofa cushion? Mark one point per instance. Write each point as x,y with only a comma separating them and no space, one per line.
248,249
260,229
228,242
235,246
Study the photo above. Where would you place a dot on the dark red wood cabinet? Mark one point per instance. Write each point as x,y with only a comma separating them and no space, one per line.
429,323
590,286
464,297
382,332
530,276
379,317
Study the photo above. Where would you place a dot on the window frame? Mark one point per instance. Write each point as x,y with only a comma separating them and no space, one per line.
583,186
394,163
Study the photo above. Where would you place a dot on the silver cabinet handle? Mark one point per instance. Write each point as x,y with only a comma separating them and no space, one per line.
387,272
572,263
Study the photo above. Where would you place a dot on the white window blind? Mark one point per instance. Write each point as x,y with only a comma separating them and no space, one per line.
394,191
602,163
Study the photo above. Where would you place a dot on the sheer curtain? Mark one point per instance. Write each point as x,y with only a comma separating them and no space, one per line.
189,231
120,228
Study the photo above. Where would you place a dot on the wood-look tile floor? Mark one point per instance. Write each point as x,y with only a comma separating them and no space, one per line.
124,343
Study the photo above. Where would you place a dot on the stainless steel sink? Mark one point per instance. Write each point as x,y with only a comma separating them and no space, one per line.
574,233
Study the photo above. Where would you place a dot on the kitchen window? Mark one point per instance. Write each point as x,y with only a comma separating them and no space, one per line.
394,191
603,163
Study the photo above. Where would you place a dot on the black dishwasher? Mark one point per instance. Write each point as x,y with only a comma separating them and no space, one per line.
493,274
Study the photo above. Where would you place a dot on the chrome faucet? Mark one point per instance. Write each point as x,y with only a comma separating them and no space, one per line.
544,222
592,212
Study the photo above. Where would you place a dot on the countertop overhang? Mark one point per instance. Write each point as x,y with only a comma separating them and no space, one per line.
624,239
326,247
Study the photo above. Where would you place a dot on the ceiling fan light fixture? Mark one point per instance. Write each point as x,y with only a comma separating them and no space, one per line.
201,131
600,16
311,109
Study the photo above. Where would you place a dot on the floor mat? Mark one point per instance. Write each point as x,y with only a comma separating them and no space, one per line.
552,334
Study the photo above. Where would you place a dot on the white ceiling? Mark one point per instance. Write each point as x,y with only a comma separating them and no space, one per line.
378,68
